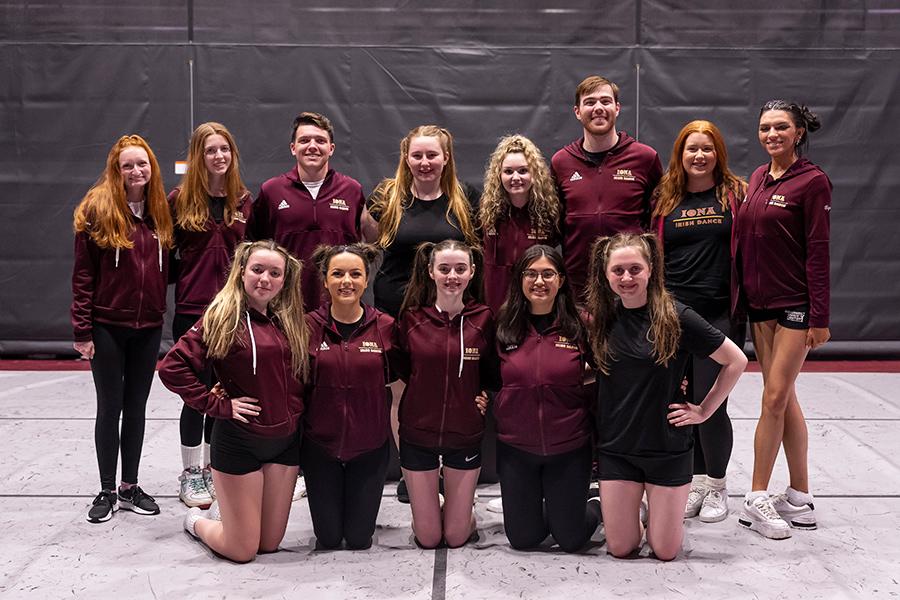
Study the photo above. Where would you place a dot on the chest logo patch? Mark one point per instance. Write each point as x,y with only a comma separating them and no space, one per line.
471,354
576,176
623,175
338,204
778,200
370,347
565,343
324,346
283,204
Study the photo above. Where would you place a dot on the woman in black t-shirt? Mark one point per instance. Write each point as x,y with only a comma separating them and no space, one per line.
642,340
423,202
692,215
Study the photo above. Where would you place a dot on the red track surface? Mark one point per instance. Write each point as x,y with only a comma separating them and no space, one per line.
811,366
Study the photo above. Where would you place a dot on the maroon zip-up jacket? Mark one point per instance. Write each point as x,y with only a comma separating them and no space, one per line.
503,245
782,236
438,409
543,406
603,199
268,377
347,407
285,212
125,287
205,257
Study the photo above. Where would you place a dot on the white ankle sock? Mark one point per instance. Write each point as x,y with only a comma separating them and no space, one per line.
190,456
699,481
206,454
798,498
714,483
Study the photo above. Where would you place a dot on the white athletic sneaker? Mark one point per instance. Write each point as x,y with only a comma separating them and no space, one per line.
208,480
759,515
213,512
799,517
299,488
715,506
495,505
644,512
193,490
695,500
193,515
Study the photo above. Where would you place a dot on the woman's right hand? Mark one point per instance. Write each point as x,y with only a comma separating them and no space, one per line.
481,402
85,349
244,406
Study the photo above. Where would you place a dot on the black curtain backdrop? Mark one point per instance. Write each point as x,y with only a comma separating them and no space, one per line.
76,76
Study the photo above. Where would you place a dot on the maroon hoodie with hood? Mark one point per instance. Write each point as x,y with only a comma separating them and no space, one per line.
204,257
543,406
258,365
604,199
125,287
447,363
347,407
781,242
285,211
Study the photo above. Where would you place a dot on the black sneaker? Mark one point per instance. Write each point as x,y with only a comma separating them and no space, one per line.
136,500
402,492
103,507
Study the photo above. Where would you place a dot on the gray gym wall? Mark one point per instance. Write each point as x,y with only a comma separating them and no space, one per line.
77,75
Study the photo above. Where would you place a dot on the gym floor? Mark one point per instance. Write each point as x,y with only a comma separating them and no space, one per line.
48,477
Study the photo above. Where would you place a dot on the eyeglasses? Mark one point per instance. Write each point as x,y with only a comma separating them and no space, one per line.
546,274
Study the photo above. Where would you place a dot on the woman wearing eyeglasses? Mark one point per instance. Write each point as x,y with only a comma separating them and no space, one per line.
543,422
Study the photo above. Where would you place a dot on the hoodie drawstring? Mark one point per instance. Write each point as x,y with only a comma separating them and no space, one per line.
252,341
462,348
117,258
159,244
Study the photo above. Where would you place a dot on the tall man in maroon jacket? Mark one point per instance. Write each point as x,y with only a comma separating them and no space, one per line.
311,204
605,179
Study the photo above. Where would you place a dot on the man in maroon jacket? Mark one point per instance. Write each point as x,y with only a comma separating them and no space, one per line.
605,179
311,204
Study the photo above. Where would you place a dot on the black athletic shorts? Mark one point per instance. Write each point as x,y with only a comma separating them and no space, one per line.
419,458
238,452
793,317
670,470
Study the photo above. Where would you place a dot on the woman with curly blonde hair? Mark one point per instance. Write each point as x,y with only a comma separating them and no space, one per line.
694,218
210,209
123,232
519,208
642,340
255,339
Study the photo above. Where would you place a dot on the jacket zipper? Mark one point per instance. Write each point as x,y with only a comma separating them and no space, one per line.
540,388
446,383
139,240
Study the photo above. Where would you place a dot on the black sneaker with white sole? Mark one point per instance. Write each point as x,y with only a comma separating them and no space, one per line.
103,507
137,501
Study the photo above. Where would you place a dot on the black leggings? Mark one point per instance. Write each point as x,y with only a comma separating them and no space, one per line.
192,427
714,438
546,495
123,366
344,497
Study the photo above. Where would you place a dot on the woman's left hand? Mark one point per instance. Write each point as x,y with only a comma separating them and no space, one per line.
816,336
481,402
681,414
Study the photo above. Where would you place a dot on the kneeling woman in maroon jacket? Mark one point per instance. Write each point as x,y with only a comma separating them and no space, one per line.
255,338
446,338
543,422
345,449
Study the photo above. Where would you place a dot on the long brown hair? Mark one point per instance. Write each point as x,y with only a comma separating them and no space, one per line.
672,187
392,196
192,205
665,328
104,211
223,321
422,290
543,203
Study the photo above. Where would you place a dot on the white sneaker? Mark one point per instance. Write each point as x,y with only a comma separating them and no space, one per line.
644,512
193,490
299,488
715,506
495,505
695,500
193,515
208,480
799,517
759,515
